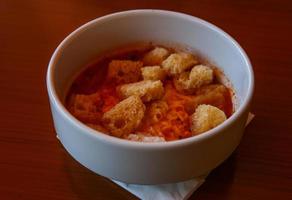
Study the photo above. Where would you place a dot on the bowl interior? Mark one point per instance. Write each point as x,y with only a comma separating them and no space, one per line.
119,29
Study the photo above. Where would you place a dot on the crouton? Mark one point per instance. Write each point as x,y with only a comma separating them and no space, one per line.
97,127
188,82
124,71
86,108
182,83
146,90
205,118
153,73
214,94
200,75
177,63
144,138
157,110
211,89
124,117
156,56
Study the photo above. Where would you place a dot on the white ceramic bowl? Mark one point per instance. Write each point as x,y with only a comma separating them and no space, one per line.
148,163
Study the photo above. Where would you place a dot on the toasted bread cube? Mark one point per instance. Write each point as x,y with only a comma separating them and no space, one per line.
177,63
212,89
205,118
188,82
153,73
156,56
124,71
145,138
182,83
86,108
124,117
200,75
97,127
146,90
214,94
157,110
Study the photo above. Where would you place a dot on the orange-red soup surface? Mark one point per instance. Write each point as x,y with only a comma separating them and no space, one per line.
97,90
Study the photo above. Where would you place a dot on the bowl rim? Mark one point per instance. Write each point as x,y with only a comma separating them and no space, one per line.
133,144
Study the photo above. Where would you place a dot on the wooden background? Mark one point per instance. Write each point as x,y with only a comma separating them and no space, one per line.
33,165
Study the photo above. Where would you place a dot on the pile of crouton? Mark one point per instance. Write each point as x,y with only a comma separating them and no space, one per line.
141,83
157,65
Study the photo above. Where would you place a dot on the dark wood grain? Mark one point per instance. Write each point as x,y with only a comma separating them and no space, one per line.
33,165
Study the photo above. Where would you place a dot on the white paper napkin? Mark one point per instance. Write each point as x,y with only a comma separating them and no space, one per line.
174,191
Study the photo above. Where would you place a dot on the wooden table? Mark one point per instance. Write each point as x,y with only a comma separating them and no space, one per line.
34,165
